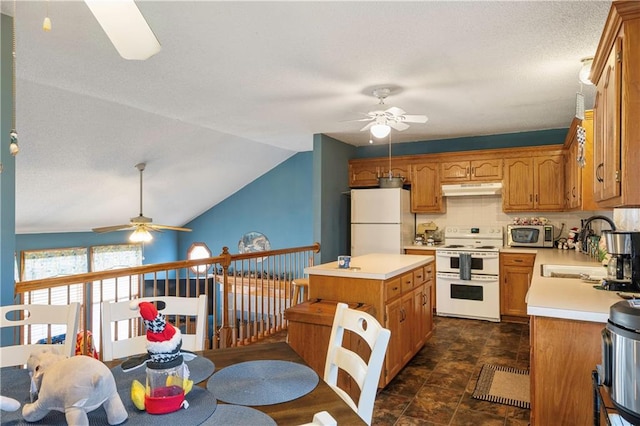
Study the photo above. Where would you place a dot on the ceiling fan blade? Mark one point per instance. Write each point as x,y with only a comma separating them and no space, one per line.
126,28
414,118
112,228
367,126
398,126
395,111
172,228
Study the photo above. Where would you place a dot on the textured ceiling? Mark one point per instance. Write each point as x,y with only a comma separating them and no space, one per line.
239,87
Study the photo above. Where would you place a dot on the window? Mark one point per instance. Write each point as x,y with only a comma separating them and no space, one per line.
40,264
199,251
110,257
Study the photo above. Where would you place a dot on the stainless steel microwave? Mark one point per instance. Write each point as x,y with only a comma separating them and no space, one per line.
530,235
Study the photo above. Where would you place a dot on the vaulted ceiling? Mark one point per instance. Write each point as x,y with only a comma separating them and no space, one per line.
239,87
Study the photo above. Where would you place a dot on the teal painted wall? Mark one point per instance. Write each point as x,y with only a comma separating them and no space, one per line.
472,143
162,249
7,176
277,204
331,205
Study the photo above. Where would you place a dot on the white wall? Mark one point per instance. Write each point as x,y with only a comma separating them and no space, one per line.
487,210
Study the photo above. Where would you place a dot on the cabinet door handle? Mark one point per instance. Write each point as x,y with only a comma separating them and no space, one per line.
518,260
598,170
530,197
573,192
468,171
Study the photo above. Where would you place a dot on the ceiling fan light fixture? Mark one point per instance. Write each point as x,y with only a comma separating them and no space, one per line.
140,235
125,26
380,130
583,75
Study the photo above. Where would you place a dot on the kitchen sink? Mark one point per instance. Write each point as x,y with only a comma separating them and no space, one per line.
573,271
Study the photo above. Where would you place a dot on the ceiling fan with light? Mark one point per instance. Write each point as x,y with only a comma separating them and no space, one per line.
140,224
382,121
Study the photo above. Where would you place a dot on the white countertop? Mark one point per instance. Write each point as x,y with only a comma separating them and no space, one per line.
568,298
377,266
422,247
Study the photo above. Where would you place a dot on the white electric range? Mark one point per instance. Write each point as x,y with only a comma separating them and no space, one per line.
467,282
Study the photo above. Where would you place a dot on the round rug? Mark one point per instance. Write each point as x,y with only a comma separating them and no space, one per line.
238,415
15,384
262,382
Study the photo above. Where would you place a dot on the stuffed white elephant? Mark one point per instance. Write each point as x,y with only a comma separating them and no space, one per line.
8,404
74,386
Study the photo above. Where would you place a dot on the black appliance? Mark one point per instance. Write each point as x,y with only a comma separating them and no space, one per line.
624,273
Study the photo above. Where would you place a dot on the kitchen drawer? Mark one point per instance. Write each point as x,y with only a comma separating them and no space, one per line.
419,276
407,282
428,272
392,289
517,259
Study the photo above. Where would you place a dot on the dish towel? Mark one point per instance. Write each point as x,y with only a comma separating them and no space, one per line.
465,266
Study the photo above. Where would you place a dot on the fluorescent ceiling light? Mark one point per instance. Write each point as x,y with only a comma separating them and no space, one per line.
125,26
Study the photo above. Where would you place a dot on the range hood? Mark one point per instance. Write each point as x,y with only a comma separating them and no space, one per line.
469,189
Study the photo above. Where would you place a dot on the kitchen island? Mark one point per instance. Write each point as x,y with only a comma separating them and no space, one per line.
396,286
567,317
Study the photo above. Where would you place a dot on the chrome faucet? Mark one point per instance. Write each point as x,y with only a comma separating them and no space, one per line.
583,232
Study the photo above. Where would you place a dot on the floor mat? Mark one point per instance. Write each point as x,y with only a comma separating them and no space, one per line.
504,385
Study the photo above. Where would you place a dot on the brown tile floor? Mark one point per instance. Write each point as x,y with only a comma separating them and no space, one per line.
435,387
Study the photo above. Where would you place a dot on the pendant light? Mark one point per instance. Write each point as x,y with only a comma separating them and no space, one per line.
583,75
14,148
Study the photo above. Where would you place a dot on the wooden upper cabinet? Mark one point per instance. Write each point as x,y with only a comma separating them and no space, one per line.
578,186
616,74
607,112
534,183
426,192
365,172
473,170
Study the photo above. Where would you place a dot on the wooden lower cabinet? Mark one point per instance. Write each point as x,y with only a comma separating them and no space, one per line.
516,271
402,304
563,355
431,270
312,321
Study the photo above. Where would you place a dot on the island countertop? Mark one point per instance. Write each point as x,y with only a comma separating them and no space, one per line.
377,266
568,298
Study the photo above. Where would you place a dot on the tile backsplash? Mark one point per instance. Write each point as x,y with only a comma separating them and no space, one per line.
487,210
627,219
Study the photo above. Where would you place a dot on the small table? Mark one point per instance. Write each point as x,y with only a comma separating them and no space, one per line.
298,411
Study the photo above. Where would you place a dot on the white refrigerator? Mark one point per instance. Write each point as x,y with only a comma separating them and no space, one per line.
381,221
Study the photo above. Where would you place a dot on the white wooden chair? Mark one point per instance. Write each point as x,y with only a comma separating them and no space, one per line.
366,375
322,418
26,316
113,312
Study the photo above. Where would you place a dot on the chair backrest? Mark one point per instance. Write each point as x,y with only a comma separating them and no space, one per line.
26,316
113,312
366,375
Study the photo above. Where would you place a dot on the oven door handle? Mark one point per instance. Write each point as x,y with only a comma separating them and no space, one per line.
473,255
454,276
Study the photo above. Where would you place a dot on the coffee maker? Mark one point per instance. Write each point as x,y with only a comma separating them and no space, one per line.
623,273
